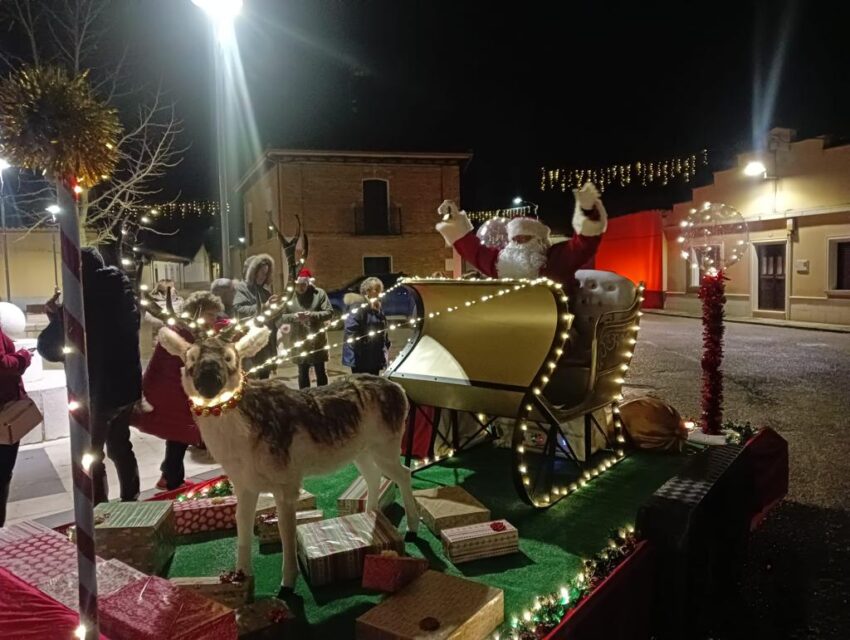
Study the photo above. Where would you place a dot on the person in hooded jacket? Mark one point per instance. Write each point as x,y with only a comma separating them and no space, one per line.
251,294
114,364
366,353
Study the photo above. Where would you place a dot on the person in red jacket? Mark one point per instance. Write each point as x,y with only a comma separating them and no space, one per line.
13,363
529,252
171,418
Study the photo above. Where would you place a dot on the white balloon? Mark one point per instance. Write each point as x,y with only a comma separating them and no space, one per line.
12,320
493,233
715,236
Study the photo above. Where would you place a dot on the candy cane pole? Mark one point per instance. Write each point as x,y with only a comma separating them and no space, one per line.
76,372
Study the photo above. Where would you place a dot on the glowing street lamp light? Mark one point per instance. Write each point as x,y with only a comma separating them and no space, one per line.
755,168
222,13
54,209
517,201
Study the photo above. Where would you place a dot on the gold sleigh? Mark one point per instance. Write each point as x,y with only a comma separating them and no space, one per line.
505,351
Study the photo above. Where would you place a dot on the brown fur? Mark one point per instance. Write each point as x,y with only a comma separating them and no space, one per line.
331,415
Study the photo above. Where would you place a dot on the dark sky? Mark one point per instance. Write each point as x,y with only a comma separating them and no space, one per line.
517,83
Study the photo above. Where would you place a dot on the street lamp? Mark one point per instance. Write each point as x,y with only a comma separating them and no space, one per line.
4,164
755,168
54,209
522,201
222,13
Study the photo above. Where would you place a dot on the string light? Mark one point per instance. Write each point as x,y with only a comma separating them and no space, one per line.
621,175
489,214
86,461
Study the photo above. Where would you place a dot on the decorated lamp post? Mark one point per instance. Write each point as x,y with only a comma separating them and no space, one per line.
52,122
714,237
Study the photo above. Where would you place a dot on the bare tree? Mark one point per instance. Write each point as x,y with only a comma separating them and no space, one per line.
73,34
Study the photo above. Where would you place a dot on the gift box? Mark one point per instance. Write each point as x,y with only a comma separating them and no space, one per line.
22,530
483,540
449,507
138,533
435,606
204,514
353,500
266,529
334,550
390,572
155,609
112,575
40,557
232,588
267,619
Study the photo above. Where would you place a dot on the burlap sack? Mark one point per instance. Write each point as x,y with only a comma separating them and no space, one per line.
651,423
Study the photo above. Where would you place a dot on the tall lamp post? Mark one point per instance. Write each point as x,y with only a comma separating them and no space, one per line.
222,14
4,164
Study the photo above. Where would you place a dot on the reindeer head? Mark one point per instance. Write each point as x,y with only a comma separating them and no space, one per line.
213,364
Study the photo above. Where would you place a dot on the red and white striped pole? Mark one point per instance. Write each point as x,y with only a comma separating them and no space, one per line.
76,372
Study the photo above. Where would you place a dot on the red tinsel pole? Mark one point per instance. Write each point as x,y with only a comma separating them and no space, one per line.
712,293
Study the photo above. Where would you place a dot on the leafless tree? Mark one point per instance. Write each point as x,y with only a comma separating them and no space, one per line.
73,34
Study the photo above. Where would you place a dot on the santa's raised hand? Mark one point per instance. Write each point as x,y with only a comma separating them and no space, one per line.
454,224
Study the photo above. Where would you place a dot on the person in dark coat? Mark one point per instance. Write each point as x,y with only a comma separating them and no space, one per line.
251,294
13,364
308,313
115,369
162,384
366,353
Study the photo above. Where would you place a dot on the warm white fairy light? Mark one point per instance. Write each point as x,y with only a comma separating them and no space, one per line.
86,461
73,405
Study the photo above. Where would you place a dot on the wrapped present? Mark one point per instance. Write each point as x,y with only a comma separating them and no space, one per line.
154,609
265,525
112,575
483,540
23,530
231,588
435,606
449,507
138,533
267,619
333,550
38,558
306,501
205,514
390,572
353,500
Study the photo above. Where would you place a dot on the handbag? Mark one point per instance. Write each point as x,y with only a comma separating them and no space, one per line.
17,419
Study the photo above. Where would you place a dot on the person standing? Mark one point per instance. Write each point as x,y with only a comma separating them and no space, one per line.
367,343
250,295
309,311
114,364
13,364
162,384
225,289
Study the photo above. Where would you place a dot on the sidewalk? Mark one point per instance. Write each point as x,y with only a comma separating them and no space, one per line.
789,324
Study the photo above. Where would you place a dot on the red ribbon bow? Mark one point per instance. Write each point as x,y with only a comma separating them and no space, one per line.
498,526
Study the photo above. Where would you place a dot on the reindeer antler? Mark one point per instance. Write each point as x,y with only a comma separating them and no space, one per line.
289,246
168,316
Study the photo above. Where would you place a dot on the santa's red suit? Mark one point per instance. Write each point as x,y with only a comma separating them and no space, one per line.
527,251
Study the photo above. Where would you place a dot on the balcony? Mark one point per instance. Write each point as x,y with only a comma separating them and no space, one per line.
376,222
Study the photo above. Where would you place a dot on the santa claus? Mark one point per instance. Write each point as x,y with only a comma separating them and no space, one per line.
525,249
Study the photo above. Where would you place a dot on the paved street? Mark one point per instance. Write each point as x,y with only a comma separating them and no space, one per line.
796,381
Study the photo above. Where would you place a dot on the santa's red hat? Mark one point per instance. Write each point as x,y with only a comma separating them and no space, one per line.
527,227
305,274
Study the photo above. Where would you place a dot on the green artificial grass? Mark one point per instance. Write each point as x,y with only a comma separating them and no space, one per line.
553,542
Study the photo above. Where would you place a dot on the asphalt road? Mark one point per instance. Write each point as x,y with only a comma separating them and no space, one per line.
797,580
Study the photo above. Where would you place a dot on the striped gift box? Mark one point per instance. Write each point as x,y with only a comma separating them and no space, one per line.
482,540
353,500
265,526
112,575
138,533
334,550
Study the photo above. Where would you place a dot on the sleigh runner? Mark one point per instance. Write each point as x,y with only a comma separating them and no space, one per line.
551,367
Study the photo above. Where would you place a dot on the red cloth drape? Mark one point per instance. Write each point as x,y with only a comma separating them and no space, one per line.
633,246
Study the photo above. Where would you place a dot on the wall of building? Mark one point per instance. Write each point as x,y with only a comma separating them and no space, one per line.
31,266
803,203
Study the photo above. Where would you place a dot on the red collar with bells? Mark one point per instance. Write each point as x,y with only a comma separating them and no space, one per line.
219,407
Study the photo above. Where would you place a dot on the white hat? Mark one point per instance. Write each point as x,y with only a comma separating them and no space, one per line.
527,227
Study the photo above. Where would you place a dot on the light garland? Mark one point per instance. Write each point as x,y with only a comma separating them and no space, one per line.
548,610
512,212
663,171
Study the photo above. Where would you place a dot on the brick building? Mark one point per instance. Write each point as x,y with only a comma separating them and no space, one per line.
364,212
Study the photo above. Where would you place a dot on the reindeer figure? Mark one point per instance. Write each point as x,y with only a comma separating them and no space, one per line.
268,437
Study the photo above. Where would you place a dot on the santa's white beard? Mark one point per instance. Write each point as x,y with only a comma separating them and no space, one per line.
522,260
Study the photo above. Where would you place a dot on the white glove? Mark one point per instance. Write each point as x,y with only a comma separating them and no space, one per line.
454,224
587,197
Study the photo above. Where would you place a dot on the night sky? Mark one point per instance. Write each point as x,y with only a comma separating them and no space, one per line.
518,84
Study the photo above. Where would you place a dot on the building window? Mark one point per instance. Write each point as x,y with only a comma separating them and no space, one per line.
701,259
377,265
839,264
375,216
250,233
